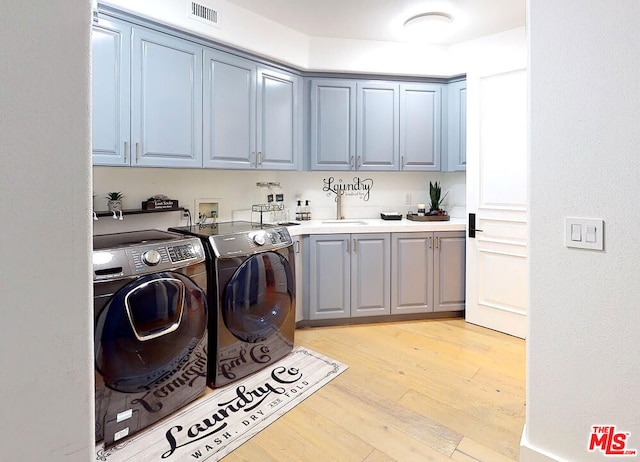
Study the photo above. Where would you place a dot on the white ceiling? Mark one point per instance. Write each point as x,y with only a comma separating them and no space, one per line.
382,19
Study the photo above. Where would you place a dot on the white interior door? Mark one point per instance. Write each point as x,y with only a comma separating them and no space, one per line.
497,269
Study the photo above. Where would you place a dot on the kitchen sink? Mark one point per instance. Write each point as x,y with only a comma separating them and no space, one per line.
344,222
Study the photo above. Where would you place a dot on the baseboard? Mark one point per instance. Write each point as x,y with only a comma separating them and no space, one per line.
529,453
374,319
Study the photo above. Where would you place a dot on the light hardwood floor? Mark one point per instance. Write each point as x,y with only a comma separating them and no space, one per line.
437,390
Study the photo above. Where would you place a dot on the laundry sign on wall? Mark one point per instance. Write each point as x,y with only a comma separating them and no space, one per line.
359,187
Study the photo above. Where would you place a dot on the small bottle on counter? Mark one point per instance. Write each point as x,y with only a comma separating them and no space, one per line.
421,210
299,211
307,210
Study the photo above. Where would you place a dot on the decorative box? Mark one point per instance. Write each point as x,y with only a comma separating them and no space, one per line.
160,204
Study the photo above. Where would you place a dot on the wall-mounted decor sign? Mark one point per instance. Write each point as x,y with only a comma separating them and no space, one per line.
359,187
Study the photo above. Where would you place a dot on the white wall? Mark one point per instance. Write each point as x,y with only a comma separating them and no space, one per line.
247,31
238,27
387,58
237,191
501,52
583,362
46,367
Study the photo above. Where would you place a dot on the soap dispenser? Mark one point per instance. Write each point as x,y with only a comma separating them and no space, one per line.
299,211
307,210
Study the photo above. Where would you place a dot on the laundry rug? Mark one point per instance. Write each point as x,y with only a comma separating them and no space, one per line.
219,422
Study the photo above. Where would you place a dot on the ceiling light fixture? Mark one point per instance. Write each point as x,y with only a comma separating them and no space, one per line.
431,27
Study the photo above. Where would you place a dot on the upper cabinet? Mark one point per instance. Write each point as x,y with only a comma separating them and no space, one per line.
147,97
457,126
251,116
333,124
279,119
377,126
420,129
366,125
110,88
166,100
354,125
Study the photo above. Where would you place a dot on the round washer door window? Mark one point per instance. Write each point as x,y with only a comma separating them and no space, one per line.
148,329
259,297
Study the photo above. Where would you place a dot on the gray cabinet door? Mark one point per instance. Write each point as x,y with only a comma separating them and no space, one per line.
378,122
110,44
449,271
229,115
329,276
251,115
420,126
166,100
299,259
370,274
457,126
278,114
333,124
411,273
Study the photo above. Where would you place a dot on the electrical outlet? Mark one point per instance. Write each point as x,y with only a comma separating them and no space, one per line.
407,198
185,213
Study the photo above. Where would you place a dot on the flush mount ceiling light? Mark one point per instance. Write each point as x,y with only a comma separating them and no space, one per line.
431,27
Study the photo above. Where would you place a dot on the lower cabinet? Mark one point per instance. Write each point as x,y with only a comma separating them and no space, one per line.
428,272
449,268
299,272
348,275
352,275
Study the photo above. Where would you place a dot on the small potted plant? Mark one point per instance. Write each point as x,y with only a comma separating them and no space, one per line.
114,201
435,194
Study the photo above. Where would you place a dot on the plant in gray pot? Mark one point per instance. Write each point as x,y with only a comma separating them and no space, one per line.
114,201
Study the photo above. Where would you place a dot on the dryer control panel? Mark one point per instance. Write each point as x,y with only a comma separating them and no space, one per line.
250,242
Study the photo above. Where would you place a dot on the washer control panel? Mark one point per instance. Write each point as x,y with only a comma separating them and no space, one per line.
178,253
149,258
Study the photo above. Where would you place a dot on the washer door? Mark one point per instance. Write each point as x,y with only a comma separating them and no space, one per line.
148,329
259,297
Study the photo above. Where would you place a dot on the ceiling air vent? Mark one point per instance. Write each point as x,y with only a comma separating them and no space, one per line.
204,13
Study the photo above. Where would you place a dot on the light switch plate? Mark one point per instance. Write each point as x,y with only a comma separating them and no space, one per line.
584,233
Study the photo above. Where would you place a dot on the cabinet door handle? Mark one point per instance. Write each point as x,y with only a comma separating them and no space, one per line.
403,162
351,162
359,161
253,158
296,246
429,239
259,158
137,151
355,245
437,242
126,151
348,242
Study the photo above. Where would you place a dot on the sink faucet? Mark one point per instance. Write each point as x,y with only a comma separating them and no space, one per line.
339,194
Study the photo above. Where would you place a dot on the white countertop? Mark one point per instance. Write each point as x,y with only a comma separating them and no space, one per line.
374,225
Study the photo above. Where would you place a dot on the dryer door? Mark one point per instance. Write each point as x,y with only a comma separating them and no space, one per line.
148,329
259,297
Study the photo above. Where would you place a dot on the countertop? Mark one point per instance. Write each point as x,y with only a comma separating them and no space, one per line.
373,225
